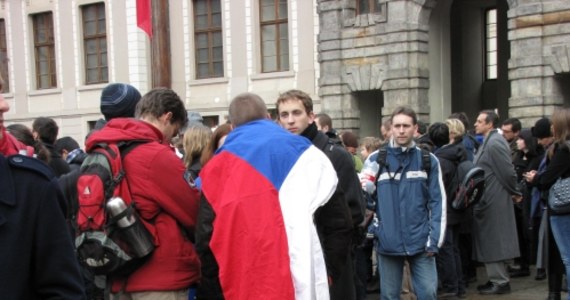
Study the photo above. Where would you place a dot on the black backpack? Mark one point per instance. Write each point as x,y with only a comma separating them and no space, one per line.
470,185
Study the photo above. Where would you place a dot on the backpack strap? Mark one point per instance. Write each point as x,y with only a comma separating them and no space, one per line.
426,161
382,163
127,146
328,148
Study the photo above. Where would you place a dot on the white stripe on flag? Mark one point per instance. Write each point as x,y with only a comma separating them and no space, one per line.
309,185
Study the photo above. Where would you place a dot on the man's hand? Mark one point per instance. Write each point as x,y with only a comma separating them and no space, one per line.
517,198
430,254
529,176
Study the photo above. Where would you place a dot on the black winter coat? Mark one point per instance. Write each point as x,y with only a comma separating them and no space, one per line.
558,166
36,250
337,220
450,156
56,163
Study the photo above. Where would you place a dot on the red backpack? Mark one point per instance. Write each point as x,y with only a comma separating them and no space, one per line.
110,238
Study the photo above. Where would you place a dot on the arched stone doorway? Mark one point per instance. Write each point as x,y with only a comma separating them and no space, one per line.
461,58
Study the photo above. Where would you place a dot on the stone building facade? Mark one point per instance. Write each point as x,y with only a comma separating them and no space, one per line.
430,55
357,63
73,102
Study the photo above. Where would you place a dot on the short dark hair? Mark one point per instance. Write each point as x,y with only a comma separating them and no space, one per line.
324,120
46,128
66,143
22,133
247,107
422,127
298,94
491,116
438,133
160,101
515,124
405,110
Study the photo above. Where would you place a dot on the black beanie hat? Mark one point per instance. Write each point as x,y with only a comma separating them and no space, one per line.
118,100
541,129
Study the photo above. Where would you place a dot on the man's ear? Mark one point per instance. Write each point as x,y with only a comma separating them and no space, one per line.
311,117
166,117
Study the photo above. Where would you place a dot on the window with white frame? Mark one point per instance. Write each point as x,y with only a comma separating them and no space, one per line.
208,42
44,51
4,58
95,43
491,44
274,35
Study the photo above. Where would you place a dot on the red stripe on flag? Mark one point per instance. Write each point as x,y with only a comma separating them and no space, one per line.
144,18
249,239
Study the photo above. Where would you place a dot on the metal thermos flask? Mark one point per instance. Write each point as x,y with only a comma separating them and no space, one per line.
134,232
116,206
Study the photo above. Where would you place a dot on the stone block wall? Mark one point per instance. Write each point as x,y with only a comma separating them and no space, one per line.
388,51
539,34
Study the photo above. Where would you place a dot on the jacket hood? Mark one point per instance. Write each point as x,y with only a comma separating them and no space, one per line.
455,153
124,129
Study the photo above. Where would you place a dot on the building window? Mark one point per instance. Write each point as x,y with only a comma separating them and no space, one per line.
95,43
274,36
44,48
491,43
366,7
4,58
208,39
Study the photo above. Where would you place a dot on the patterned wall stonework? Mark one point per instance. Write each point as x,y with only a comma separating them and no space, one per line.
384,51
560,59
388,51
539,34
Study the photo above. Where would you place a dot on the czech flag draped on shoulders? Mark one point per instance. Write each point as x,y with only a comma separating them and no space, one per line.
264,185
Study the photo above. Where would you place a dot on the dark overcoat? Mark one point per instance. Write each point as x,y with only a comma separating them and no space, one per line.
494,227
37,260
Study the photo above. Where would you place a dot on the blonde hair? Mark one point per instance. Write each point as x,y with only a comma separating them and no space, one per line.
195,141
456,127
218,134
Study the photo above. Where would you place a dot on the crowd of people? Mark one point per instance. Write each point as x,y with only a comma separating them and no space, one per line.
288,208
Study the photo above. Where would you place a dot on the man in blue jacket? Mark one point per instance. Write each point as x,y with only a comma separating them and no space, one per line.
411,211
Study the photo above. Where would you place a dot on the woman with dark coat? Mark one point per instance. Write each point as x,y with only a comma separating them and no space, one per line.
527,157
448,138
558,166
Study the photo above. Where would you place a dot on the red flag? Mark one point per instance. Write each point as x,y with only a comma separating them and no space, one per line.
144,18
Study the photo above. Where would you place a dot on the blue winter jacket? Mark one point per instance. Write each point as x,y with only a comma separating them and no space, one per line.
411,204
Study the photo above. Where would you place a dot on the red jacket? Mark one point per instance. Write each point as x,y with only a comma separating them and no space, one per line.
162,198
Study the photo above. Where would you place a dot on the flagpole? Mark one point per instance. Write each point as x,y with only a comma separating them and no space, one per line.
160,44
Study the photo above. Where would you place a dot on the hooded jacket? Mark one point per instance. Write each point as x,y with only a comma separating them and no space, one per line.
410,209
166,203
450,156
